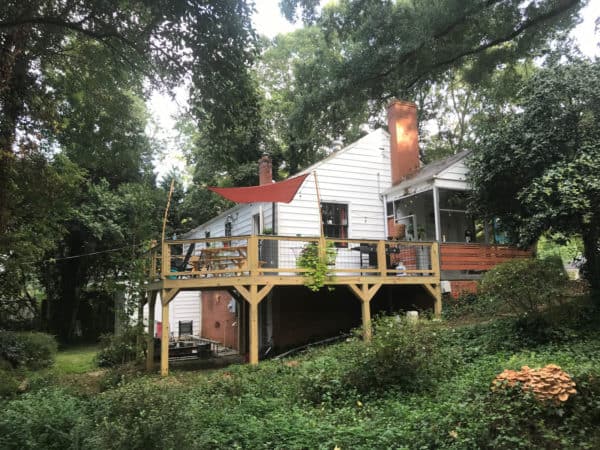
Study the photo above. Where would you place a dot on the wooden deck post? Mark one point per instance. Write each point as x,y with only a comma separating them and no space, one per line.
254,296
365,293
166,295
253,332
366,319
150,336
164,341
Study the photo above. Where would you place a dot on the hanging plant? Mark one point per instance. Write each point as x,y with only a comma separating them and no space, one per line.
317,266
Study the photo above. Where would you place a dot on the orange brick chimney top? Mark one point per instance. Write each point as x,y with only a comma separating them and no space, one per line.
404,140
265,170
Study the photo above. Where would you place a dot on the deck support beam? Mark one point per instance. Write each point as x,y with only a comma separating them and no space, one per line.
150,336
254,295
436,292
166,296
365,293
435,289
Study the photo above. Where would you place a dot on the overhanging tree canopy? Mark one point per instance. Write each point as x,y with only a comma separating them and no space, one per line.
386,48
538,168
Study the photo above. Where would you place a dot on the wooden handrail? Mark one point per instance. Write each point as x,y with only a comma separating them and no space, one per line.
250,265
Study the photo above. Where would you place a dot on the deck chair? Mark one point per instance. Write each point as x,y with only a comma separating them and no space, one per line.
181,265
186,328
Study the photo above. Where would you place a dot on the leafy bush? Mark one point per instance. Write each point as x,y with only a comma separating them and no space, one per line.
467,305
28,349
525,286
120,349
8,384
141,415
47,419
317,265
401,355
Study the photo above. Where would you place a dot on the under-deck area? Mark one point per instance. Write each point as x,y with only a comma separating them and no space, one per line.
250,267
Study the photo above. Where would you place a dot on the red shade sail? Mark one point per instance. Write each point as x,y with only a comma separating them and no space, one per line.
282,192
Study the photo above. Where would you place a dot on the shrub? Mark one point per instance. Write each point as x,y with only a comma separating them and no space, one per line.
402,355
47,419
144,414
525,286
9,384
122,348
29,349
468,304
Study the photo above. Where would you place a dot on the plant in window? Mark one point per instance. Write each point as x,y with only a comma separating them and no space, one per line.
317,265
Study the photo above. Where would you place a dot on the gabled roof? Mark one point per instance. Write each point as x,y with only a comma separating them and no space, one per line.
429,171
305,172
344,150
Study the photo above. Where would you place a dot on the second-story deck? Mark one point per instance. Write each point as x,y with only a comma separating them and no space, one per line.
254,265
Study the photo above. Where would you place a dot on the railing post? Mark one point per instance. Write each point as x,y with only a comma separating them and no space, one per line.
165,262
253,255
381,259
153,253
322,247
435,259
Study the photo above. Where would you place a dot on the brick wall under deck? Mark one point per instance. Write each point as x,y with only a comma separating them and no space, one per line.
461,287
218,323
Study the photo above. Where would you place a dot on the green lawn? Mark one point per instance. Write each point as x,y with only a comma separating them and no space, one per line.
76,360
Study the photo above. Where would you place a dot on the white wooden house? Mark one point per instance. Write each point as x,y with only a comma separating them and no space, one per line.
373,189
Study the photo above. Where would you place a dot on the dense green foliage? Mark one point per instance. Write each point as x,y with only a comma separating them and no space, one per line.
120,348
525,286
78,198
377,50
425,385
27,349
537,167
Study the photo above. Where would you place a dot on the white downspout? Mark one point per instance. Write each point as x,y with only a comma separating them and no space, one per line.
436,214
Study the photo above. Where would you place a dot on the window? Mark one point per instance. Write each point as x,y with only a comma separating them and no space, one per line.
335,220
389,209
207,236
227,229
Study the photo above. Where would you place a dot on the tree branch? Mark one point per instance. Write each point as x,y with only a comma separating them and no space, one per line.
563,7
73,26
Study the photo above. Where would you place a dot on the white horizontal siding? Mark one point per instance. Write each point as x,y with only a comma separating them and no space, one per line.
185,306
456,172
355,176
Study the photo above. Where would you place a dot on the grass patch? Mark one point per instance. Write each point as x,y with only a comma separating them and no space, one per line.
76,360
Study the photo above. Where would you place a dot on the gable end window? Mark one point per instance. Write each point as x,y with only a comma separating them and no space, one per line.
335,220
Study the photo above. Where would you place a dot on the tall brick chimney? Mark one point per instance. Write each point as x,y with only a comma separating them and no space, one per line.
265,170
404,139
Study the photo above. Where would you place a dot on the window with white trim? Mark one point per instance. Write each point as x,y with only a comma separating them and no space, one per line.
335,220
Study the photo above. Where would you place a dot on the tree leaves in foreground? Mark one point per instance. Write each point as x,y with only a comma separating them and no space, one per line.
538,169
164,41
387,49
